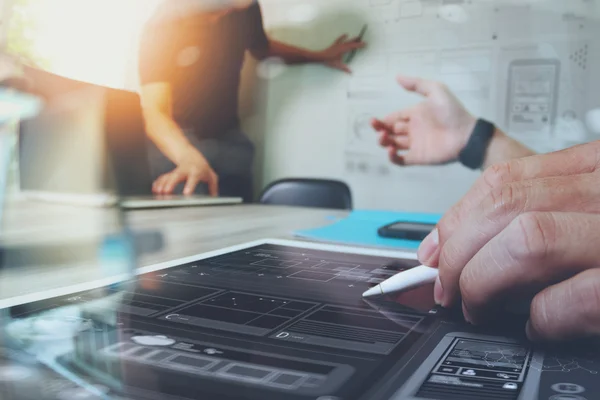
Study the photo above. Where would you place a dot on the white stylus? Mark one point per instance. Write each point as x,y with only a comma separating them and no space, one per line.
403,281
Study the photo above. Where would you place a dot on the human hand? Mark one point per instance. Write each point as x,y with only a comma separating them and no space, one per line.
432,132
528,228
192,169
333,56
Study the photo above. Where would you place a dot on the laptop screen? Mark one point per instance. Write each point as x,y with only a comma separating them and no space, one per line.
82,131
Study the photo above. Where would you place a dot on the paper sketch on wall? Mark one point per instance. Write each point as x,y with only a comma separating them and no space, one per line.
546,87
532,95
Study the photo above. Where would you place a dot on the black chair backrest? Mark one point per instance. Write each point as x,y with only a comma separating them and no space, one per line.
316,193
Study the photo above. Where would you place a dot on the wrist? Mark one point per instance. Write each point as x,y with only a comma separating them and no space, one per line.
319,56
185,153
466,129
498,143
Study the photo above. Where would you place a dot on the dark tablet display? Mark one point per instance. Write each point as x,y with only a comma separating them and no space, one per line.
274,321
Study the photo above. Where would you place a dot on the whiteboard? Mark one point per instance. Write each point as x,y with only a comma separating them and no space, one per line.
315,121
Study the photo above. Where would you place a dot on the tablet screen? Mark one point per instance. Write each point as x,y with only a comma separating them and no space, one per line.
277,320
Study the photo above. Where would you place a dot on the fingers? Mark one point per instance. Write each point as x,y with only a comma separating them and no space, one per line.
403,159
352,45
393,136
190,184
379,126
171,181
500,208
340,66
396,142
342,45
341,39
398,116
157,185
396,122
418,85
568,310
395,157
160,184
401,128
386,140
213,183
533,252
388,133
574,161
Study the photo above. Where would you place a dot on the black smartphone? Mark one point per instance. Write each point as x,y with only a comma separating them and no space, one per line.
406,230
360,37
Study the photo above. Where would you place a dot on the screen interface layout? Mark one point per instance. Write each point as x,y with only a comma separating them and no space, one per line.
272,321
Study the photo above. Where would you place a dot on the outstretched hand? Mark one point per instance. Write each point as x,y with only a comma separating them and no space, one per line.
432,132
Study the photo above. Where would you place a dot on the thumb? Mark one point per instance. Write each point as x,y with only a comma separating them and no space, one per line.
341,66
417,85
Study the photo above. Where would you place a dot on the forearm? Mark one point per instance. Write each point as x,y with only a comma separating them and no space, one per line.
504,148
167,136
292,54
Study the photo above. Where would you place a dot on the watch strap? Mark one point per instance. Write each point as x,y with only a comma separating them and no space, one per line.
473,154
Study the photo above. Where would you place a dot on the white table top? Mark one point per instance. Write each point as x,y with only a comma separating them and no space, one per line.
186,232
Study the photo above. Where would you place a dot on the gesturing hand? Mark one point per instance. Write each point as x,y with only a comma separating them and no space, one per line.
432,132
333,55
527,228
192,169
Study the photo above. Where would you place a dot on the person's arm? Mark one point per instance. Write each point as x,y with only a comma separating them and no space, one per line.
160,126
436,130
156,70
262,47
503,148
192,167
331,56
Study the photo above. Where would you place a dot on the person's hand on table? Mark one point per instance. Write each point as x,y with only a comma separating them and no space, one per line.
528,228
191,169
432,132
333,56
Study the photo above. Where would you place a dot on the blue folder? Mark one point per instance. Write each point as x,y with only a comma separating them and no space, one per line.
360,228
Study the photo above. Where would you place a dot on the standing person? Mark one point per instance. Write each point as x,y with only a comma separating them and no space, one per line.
190,62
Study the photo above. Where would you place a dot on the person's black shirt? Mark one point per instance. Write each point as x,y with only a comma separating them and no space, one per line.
201,58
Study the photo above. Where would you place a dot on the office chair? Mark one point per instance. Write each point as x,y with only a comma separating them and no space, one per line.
316,193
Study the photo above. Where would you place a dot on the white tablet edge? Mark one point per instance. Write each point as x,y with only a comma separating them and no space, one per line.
58,292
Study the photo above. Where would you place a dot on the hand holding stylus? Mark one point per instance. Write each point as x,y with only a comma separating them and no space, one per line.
404,281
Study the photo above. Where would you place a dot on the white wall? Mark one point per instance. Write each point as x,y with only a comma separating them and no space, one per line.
4,15
309,120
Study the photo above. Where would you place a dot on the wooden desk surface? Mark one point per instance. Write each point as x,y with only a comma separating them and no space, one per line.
185,231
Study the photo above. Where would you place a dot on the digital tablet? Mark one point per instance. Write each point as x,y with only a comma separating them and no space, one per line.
273,319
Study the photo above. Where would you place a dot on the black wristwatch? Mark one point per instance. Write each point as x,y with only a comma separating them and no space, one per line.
473,155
